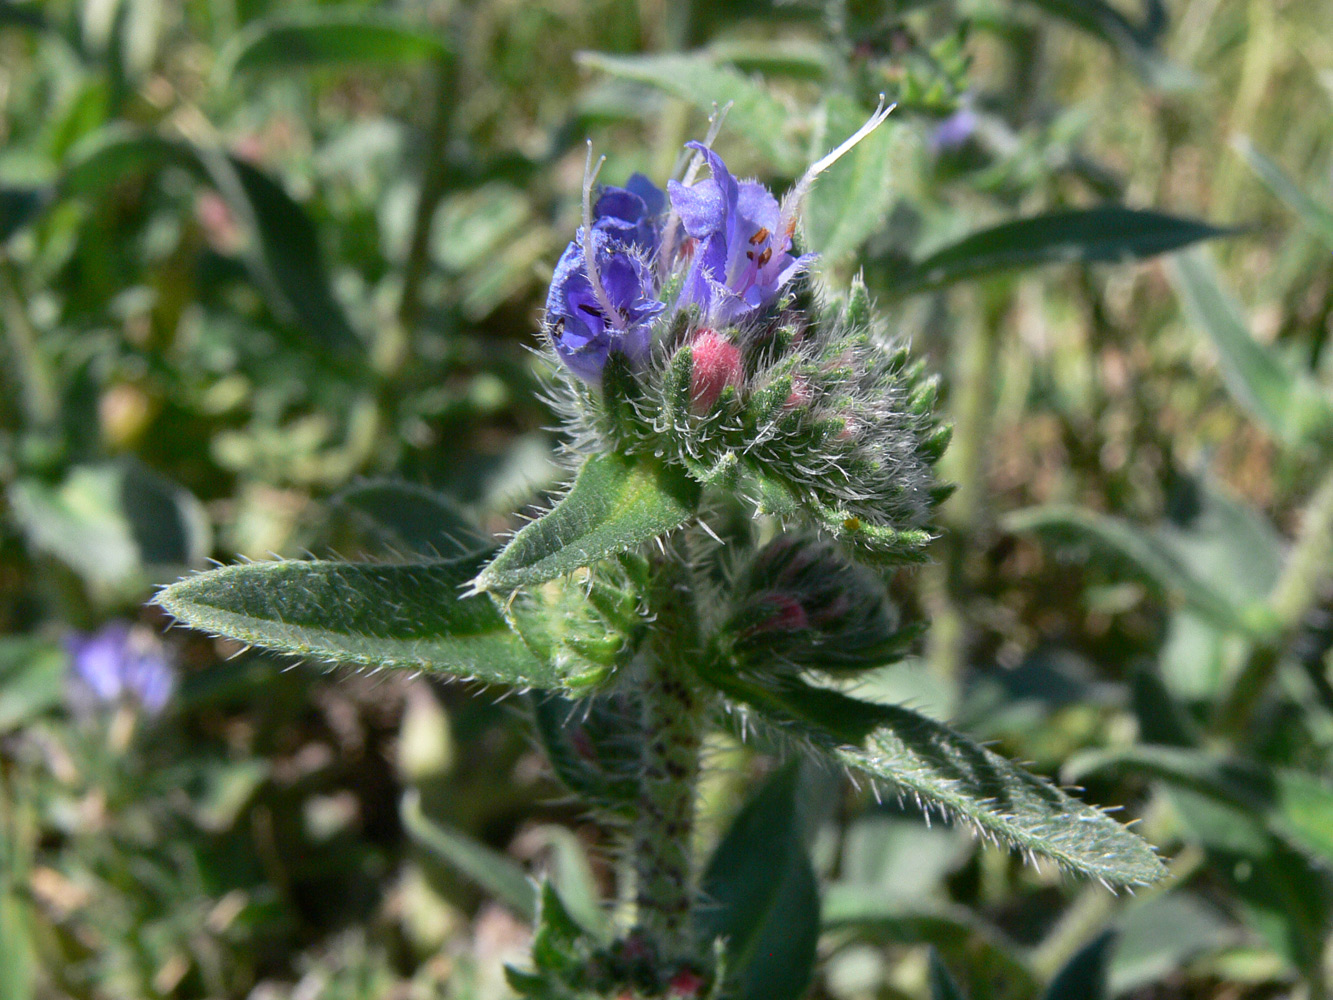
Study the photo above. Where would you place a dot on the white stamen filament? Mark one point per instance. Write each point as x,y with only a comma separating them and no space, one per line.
590,173
791,202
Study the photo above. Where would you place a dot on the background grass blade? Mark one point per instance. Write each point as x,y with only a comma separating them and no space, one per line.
1105,234
328,39
1289,404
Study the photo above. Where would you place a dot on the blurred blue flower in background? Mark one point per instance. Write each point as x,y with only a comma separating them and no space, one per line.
954,132
119,663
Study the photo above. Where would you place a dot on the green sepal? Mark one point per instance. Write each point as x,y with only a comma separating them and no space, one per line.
582,629
616,504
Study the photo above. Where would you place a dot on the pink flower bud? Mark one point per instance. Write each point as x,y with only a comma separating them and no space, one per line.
717,364
686,983
800,394
787,614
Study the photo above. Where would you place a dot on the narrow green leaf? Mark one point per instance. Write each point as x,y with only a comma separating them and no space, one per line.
1141,553
408,615
413,519
797,58
1162,934
762,898
284,258
755,112
1293,806
1136,42
117,524
1315,216
1084,976
1289,404
116,153
615,504
494,872
973,946
22,15
1105,234
591,744
942,984
945,770
333,39
571,876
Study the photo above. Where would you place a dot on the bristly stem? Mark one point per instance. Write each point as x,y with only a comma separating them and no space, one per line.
673,711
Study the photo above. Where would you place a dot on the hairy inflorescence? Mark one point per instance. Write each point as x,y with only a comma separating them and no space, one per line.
686,328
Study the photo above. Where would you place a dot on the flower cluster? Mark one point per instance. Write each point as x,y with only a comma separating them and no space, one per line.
802,603
689,322
734,259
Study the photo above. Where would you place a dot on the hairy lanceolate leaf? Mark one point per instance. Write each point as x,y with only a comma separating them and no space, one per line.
331,39
407,615
760,897
945,770
1290,404
1293,806
755,112
1106,234
615,504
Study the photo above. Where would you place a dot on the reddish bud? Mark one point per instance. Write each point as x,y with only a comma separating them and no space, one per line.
685,983
787,616
717,364
800,393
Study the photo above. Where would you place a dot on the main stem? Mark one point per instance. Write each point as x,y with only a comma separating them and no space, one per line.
673,710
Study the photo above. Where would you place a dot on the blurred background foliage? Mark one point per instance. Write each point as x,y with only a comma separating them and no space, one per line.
263,263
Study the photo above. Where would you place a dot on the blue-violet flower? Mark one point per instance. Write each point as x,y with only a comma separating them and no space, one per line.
118,662
742,242
579,327
632,214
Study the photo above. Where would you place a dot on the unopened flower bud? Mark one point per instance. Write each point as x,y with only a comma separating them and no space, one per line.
716,365
802,602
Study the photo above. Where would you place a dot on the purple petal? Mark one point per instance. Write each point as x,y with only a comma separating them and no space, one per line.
701,207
